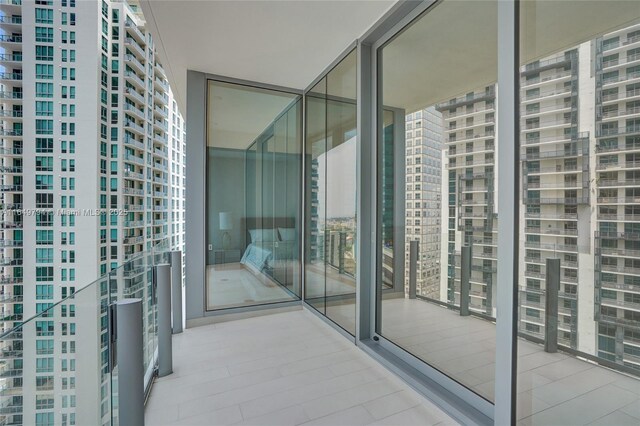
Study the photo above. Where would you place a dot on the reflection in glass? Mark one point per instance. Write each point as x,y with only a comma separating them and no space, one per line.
253,193
331,199
436,191
580,145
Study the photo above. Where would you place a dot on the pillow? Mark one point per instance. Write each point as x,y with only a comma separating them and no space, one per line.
287,234
263,235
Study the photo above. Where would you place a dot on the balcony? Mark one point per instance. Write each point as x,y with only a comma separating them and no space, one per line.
10,39
13,21
133,61
161,97
129,91
135,32
135,47
132,76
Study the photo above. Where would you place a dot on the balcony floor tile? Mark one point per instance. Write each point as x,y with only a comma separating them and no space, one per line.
281,369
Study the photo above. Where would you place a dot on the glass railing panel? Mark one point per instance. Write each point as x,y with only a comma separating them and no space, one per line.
56,366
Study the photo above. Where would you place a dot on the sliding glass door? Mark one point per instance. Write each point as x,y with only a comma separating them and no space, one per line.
253,196
331,194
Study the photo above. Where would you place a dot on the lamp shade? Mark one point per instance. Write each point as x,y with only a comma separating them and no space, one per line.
226,221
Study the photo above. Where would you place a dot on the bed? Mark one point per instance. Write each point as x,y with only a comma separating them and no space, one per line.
271,248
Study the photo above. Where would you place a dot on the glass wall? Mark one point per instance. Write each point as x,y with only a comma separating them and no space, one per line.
254,147
331,194
437,214
579,287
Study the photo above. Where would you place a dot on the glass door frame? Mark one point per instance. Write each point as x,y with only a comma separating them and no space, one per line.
444,390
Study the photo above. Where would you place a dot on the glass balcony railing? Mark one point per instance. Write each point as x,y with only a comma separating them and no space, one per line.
70,346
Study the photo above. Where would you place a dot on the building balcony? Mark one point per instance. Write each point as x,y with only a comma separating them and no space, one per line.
558,108
136,111
600,149
613,63
132,126
10,40
134,47
620,165
129,140
613,81
10,96
11,76
132,61
618,182
627,130
133,77
11,188
162,98
133,191
133,30
134,95
558,77
161,111
548,94
624,96
134,207
12,60
160,138
161,125
551,231
560,153
161,84
133,175
134,159
11,21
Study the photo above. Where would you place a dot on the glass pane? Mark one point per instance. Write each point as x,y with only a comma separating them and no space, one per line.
253,178
437,216
315,195
340,233
579,286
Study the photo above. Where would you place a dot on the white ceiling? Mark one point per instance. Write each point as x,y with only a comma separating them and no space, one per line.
286,43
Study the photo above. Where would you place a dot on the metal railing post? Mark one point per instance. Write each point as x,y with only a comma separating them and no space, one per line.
465,276
127,324
551,306
341,251
414,250
163,290
176,291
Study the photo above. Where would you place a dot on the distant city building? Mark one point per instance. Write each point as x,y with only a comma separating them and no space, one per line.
88,123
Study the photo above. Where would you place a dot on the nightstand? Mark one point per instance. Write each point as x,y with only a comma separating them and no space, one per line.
226,256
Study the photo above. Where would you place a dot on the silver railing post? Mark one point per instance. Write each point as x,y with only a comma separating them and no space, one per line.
163,289
176,291
127,324
414,250
465,276
551,305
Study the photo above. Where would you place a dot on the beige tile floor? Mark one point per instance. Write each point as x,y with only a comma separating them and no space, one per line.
281,369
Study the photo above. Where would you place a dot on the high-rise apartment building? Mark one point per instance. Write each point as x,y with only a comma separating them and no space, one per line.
423,197
469,133
617,183
555,131
91,141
